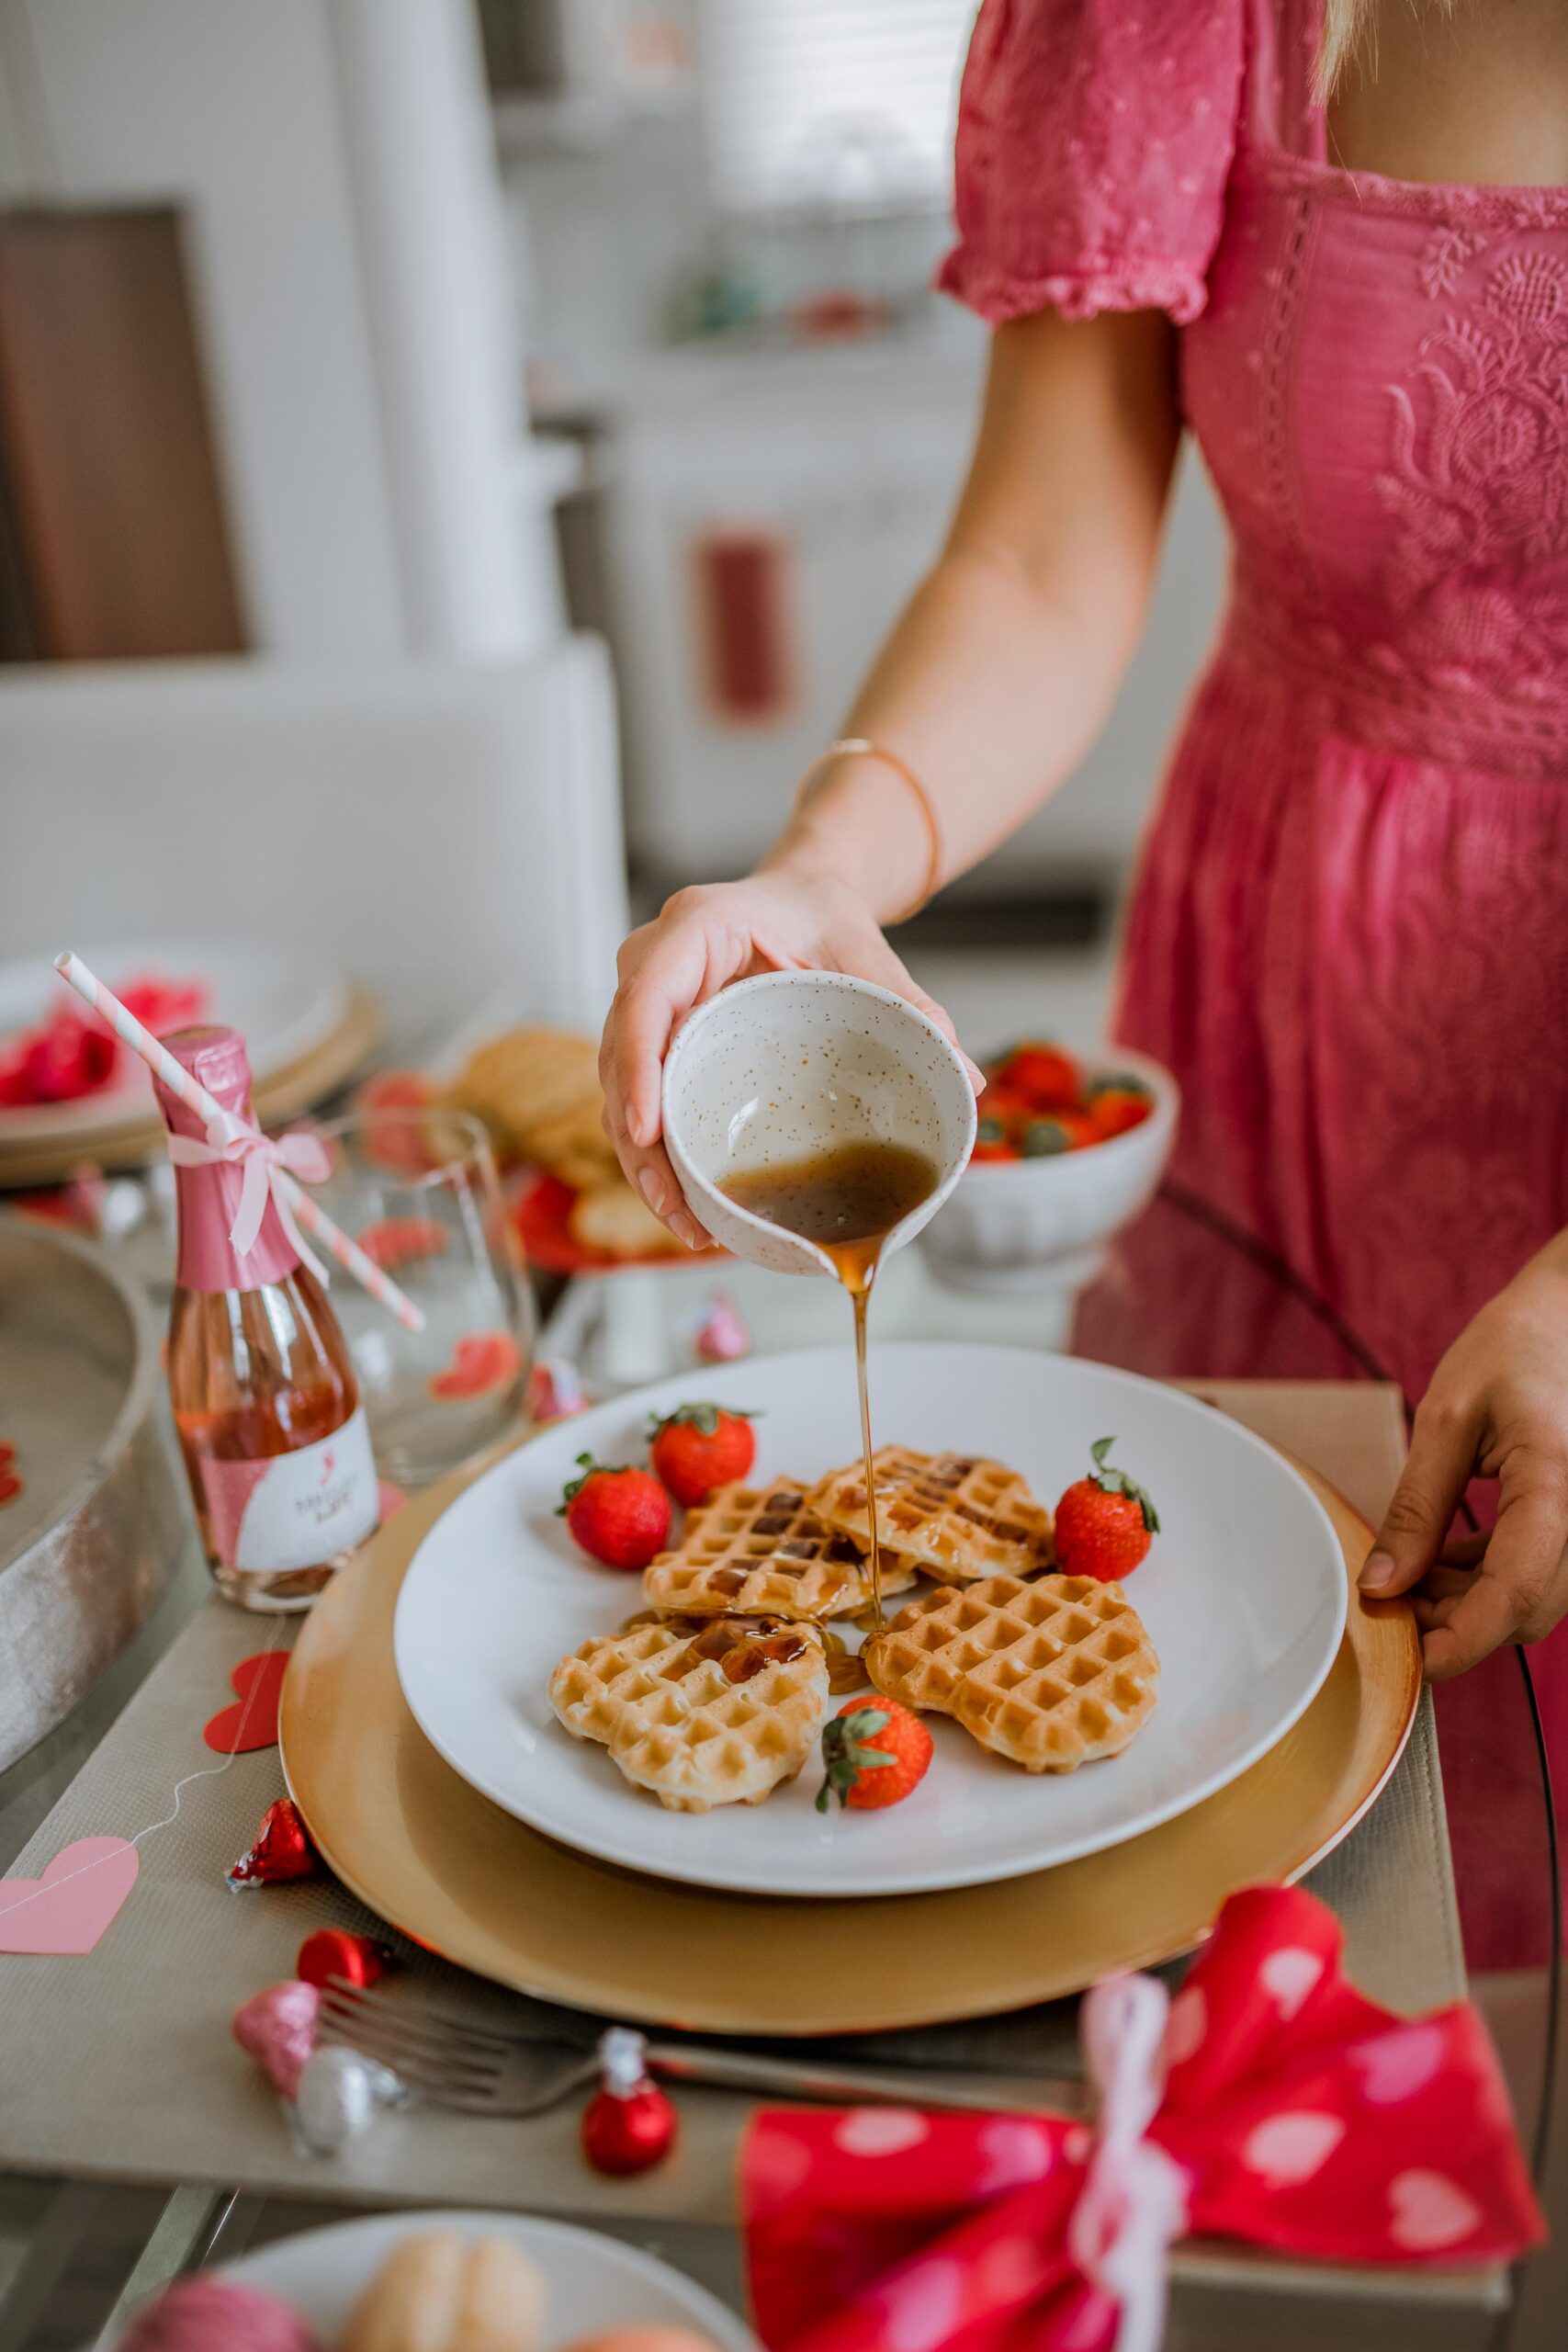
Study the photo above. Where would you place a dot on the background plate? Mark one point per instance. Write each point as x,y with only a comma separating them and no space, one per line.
453,1871
1244,1596
594,2282
285,1011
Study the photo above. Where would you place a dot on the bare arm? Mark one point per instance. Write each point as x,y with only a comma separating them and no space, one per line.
993,684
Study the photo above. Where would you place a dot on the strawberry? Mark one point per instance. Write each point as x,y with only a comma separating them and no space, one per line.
1103,1523
1042,1073
1116,1103
992,1141
876,1752
1009,1109
620,1517
698,1448
1059,1131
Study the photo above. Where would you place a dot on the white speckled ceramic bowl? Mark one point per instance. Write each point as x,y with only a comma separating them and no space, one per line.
1043,1225
791,1063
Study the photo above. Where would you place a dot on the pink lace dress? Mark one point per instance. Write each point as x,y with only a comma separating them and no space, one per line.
1349,933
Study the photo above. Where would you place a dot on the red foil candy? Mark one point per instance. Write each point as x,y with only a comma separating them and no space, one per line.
332,1952
628,2124
282,1851
628,2134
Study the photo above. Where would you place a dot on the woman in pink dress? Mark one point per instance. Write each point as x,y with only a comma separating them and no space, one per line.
1349,933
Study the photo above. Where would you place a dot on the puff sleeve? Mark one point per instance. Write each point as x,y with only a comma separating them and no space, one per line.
1095,139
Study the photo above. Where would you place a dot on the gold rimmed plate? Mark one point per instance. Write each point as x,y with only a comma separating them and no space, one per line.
455,1873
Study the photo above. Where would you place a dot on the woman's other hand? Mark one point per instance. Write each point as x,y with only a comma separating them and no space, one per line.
1497,1408
781,920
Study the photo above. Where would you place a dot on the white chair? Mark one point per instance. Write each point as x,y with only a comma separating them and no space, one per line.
446,834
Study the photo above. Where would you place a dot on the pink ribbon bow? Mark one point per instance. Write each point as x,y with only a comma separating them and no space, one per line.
259,1159
1293,2114
1133,2204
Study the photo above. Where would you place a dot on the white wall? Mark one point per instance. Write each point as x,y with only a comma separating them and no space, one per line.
334,161
233,107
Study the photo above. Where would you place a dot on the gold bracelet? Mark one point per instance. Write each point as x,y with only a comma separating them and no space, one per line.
860,747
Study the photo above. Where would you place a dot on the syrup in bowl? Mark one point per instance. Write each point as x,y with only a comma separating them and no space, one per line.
847,1200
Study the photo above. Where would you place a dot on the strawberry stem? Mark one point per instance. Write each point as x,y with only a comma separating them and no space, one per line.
846,1753
574,1486
1111,1481
704,1419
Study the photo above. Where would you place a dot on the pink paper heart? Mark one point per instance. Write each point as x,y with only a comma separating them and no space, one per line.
1429,2211
69,1908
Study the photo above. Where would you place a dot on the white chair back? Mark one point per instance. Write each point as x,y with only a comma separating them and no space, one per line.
446,834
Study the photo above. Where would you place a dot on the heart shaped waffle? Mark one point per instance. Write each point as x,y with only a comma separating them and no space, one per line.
750,1553
716,1713
1050,1674
955,1516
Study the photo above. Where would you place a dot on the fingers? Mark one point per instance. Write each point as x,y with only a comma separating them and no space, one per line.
664,968
1442,1454
659,977
1520,1590
649,1171
1466,1551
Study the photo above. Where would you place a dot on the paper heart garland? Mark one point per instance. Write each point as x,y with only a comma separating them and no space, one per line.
70,1908
252,1723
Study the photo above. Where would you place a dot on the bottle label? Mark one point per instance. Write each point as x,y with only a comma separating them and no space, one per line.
294,1510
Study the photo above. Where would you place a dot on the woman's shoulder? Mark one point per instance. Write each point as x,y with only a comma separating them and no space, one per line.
1095,138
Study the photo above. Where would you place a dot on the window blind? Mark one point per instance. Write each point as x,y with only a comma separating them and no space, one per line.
832,103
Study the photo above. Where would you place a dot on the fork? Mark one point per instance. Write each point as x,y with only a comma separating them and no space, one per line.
484,2070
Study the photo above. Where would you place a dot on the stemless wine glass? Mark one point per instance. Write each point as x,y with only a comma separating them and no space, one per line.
417,1190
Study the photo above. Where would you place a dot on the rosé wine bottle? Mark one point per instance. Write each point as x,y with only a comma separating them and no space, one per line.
265,1398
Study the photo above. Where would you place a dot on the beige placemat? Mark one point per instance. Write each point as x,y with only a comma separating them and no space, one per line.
120,2064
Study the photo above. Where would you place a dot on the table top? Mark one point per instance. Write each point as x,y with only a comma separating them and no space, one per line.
1412,1911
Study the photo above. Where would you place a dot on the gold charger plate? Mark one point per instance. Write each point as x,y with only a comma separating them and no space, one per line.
456,1874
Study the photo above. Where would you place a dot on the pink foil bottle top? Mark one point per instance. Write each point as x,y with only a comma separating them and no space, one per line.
209,1197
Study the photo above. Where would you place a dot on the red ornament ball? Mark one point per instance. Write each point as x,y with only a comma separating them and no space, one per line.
282,1851
627,2131
332,1952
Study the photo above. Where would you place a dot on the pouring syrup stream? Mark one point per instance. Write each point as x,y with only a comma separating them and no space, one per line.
847,1200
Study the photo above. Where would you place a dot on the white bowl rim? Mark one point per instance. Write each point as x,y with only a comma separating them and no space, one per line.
850,981
1163,1085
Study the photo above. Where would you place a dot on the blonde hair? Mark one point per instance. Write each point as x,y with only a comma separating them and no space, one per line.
1349,31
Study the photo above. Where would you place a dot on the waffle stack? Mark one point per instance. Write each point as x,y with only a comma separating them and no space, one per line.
718,1713
538,1092
1051,1675
748,1552
955,1517
719,1697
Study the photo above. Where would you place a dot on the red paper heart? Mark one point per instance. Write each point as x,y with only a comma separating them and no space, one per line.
236,1731
480,1362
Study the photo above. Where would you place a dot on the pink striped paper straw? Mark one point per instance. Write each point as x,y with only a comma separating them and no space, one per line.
315,1220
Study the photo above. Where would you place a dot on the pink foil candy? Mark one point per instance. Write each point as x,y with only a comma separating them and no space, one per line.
555,1392
722,1337
277,2028
202,2314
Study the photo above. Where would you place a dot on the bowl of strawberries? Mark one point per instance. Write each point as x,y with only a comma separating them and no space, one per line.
1067,1152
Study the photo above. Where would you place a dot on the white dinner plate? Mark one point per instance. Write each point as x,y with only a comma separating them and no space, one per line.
1244,1595
285,1008
593,2283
